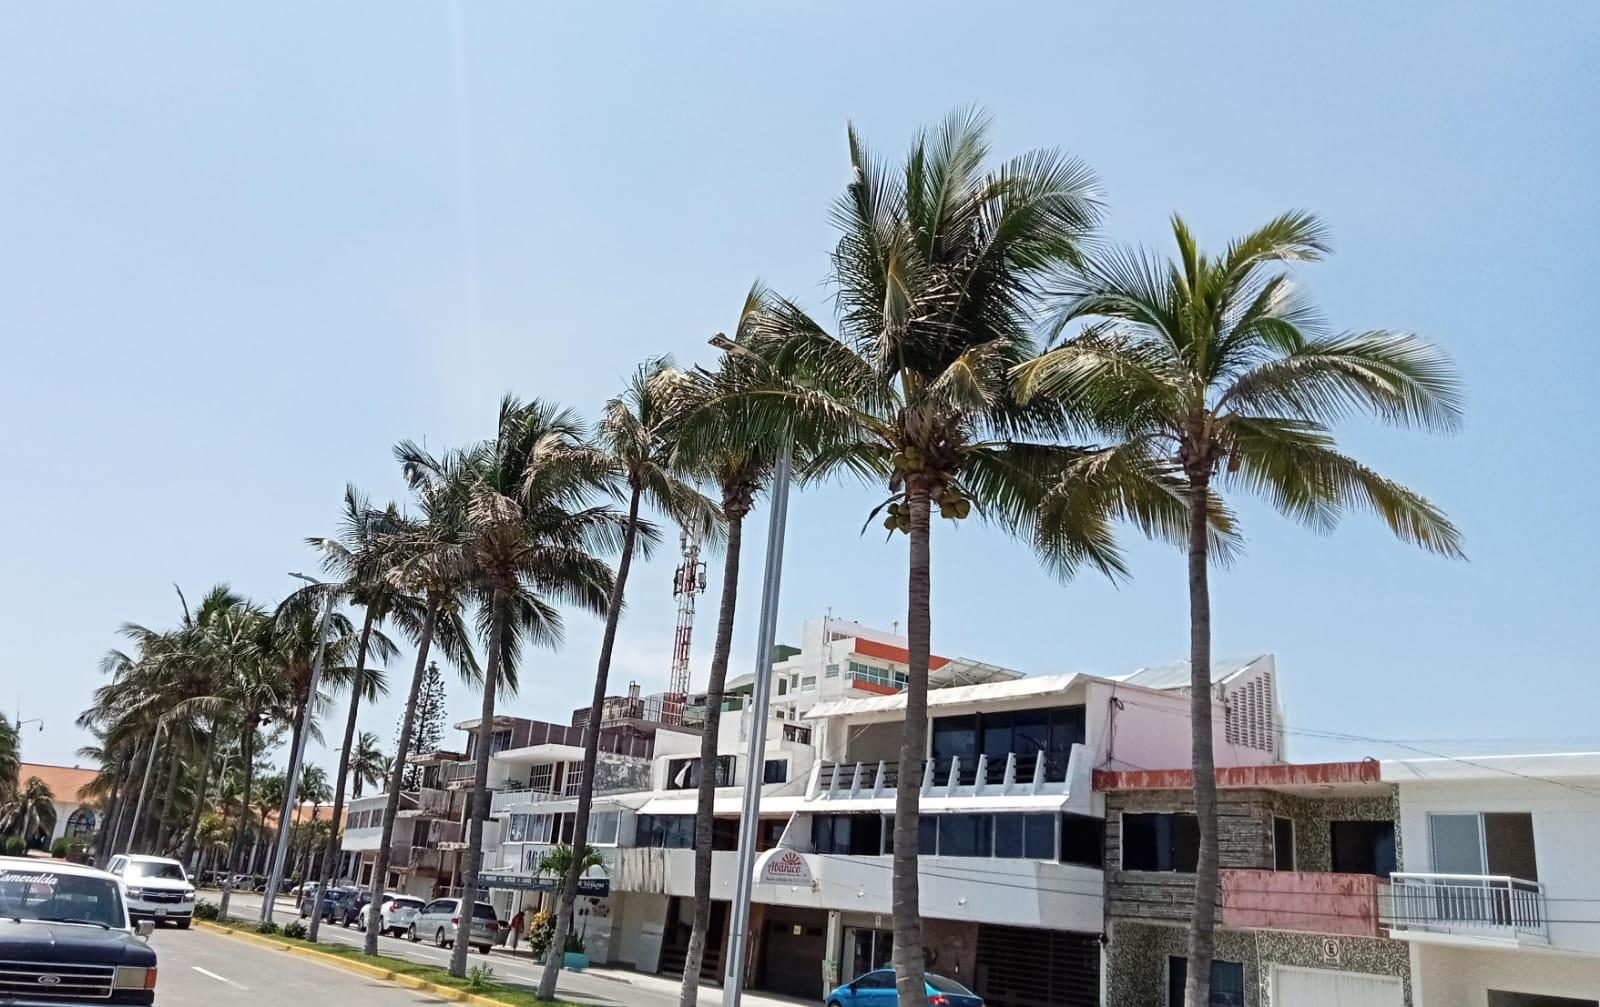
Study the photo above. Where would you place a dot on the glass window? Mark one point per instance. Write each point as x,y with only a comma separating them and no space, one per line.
1227,982
966,835
517,831
942,985
880,980
27,893
1160,842
1368,848
954,737
603,828
542,777
808,683
1282,844
1083,840
1039,837
149,869
927,836
831,671
775,771
1008,836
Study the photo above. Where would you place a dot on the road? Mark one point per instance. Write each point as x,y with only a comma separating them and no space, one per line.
601,987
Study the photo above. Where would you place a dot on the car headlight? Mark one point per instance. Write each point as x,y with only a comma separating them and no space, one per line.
135,977
188,895
135,893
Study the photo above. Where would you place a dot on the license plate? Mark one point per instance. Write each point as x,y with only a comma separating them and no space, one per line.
161,912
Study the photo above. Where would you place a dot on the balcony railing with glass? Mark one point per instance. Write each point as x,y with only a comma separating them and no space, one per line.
1496,906
504,800
1015,773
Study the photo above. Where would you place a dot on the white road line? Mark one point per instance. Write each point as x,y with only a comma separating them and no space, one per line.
221,979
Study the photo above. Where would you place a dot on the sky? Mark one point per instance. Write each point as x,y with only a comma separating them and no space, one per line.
246,248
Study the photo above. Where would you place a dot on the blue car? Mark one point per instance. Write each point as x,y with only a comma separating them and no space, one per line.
876,989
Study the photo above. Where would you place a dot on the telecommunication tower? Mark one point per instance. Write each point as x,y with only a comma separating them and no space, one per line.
688,581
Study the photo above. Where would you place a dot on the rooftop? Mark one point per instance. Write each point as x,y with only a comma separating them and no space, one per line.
64,781
1540,768
1176,674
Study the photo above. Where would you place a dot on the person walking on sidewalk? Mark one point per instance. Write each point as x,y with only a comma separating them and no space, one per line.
517,923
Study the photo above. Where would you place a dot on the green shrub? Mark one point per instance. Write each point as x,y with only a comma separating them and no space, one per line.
294,930
540,933
269,928
14,846
574,943
479,977
206,910
58,849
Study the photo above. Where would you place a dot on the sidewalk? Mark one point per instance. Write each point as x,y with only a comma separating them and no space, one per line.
667,985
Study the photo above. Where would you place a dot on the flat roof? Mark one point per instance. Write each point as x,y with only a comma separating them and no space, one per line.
1534,768
1272,776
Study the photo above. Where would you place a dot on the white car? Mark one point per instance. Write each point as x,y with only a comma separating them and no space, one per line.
395,913
156,889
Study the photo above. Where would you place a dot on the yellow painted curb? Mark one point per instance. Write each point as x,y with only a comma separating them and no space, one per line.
376,971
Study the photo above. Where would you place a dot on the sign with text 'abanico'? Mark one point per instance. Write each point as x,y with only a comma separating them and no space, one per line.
784,867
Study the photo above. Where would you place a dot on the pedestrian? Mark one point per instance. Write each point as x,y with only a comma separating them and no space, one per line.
517,923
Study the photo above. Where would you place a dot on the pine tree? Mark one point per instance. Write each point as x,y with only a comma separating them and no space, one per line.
428,730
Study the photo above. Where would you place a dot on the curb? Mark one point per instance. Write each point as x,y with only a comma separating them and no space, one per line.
376,971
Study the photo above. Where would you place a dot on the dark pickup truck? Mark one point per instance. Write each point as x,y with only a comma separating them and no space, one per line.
65,938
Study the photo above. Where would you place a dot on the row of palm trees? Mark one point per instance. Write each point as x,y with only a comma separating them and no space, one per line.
990,358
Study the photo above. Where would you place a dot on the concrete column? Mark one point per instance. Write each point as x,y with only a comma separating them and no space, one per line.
834,955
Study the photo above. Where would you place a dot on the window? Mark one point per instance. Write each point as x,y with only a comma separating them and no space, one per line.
500,741
684,774
876,675
783,686
542,778
29,893
794,681
966,835
1501,998
1025,733
603,828
831,671
1483,844
775,771
574,781
1026,837
880,980
80,823
808,683
1083,840
853,835
1227,982
1364,848
1282,844
1160,842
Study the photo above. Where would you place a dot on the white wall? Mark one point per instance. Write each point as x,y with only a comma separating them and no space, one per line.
1462,977
1152,730
1566,822
636,929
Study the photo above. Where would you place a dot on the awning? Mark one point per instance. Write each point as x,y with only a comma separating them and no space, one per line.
597,888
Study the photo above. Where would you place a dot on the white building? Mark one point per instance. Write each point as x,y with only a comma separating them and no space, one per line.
1498,892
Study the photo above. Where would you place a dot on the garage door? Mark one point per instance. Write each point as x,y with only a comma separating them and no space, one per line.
1326,988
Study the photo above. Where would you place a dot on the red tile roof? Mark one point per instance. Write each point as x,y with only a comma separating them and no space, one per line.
64,781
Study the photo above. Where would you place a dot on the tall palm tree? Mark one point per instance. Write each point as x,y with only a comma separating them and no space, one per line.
633,447
268,802
357,556
424,559
938,274
533,529
1217,367
10,757
737,458
368,764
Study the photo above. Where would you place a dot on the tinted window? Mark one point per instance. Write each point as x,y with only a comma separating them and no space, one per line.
880,980
1282,844
29,894
482,911
146,869
1160,842
408,903
1083,840
1008,835
927,836
942,985
1363,847
965,835
1227,982
775,771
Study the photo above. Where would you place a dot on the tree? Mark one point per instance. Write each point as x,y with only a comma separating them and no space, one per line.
368,764
632,448
10,757
1218,368
532,533
736,456
428,731
30,806
937,275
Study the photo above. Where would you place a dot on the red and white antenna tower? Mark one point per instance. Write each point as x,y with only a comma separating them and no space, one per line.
687,582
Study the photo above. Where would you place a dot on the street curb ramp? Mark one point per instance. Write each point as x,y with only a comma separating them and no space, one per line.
375,971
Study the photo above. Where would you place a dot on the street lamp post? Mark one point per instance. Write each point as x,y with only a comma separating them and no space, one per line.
766,636
291,787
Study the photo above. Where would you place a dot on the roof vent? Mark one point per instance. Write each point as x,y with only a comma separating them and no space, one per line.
1252,713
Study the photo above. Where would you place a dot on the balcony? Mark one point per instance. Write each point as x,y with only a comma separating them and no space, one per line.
1025,773
505,800
419,860
1305,901
1496,907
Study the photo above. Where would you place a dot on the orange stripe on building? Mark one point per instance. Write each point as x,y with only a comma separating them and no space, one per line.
889,652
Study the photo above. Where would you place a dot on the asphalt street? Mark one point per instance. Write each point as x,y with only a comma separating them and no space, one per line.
598,987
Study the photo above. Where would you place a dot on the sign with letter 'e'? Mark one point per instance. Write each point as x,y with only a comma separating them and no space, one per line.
785,867
1332,953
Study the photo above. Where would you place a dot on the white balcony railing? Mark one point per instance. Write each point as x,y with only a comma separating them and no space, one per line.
1481,905
504,800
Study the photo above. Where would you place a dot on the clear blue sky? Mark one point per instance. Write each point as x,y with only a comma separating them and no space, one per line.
246,248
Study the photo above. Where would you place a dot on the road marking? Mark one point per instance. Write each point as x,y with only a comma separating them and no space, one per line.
212,975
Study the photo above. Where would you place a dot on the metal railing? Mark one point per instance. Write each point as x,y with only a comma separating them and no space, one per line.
506,799
1482,904
1027,769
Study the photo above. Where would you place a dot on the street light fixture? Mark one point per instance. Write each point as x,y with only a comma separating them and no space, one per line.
292,784
766,636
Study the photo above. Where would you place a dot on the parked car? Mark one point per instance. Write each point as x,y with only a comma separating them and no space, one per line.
439,920
355,907
394,914
157,889
876,989
68,931
334,901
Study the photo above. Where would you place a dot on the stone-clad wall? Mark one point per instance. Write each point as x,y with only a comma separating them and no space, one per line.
1137,960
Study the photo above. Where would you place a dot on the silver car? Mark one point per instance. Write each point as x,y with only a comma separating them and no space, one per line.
439,920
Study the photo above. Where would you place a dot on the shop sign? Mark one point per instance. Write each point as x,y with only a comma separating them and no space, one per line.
786,867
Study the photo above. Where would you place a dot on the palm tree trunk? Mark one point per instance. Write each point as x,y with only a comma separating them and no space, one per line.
111,822
164,829
905,897
480,786
187,849
689,993
123,838
1203,921
332,849
591,756
391,806
246,753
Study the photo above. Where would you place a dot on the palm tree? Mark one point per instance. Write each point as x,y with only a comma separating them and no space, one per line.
1218,368
268,801
938,274
423,559
10,757
368,764
533,528
30,805
633,447
737,458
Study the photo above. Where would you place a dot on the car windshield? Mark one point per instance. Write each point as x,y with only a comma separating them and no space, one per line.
30,894
482,911
939,984
408,903
150,869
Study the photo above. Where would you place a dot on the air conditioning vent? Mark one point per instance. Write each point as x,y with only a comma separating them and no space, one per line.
1252,714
